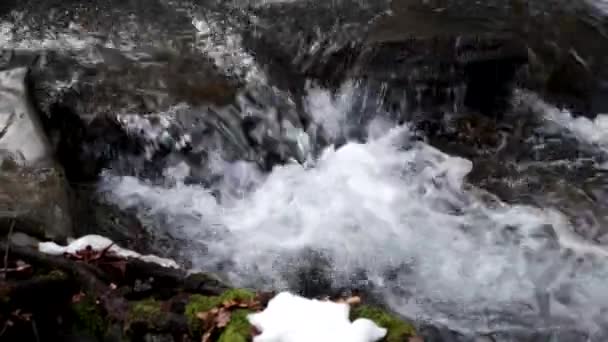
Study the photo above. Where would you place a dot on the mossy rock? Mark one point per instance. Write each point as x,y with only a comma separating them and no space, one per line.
88,317
397,329
199,303
239,328
146,311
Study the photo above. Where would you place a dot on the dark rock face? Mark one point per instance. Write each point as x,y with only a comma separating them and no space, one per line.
424,71
33,196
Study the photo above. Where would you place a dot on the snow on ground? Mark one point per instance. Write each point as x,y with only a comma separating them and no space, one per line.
99,243
290,318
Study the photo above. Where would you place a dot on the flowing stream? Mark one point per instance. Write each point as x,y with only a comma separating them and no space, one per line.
508,242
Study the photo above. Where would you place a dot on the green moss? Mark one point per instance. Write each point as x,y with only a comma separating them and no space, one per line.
56,275
200,303
88,317
147,310
239,329
237,294
398,330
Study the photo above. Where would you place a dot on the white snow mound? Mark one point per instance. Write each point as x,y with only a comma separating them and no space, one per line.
290,318
99,243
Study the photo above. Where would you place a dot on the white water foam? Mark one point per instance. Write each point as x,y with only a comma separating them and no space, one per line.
591,131
26,40
223,45
390,205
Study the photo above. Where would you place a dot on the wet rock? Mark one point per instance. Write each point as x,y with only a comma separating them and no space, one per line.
109,22
34,194
92,215
418,70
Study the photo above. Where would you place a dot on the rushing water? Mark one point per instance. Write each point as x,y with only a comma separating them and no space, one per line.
394,214
503,240
388,213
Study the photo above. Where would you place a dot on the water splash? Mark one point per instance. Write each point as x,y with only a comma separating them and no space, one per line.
397,214
591,131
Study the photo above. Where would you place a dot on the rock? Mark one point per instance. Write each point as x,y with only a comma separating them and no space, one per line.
424,68
86,301
34,192
570,83
23,240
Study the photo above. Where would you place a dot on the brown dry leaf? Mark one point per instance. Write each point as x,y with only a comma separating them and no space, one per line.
230,303
203,316
223,318
356,300
78,297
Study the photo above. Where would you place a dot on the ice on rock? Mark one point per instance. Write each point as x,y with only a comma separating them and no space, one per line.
290,318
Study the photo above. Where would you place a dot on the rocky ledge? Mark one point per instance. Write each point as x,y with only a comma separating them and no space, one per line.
95,295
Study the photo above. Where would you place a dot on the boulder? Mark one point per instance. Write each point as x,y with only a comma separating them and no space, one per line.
33,191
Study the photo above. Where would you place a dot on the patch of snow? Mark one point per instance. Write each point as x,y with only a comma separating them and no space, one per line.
99,243
290,318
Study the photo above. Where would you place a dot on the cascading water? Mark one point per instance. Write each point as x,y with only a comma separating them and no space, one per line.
327,186
395,214
389,214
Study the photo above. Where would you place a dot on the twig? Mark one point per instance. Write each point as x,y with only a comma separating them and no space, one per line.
4,328
8,244
35,330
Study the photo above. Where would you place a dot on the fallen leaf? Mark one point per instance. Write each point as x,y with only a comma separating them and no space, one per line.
230,303
203,316
77,297
353,300
223,318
